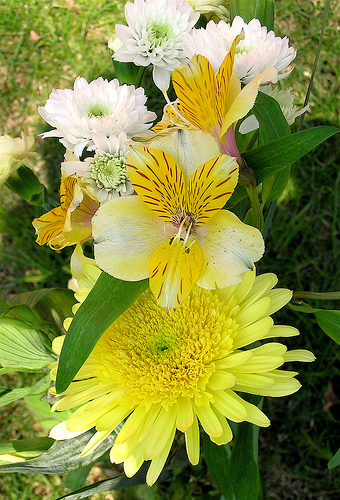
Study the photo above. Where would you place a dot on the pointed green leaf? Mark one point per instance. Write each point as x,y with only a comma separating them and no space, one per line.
25,448
244,470
248,9
23,347
25,183
63,456
218,462
276,155
272,122
108,299
335,460
329,321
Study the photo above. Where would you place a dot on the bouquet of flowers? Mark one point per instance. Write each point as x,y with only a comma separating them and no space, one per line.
165,344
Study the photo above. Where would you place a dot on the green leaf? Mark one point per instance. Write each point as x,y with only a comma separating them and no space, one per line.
218,462
335,460
63,456
25,448
244,470
23,347
273,124
274,156
108,299
76,479
51,304
38,388
117,483
304,308
329,321
125,72
274,185
248,9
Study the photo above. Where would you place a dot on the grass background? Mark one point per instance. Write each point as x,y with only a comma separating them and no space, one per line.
46,45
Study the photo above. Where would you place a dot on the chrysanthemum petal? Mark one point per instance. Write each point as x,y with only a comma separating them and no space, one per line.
226,403
221,380
174,269
158,462
299,355
278,298
281,331
133,463
254,414
230,248
60,431
253,332
226,435
133,422
253,313
253,380
95,441
157,179
192,442
112,418
211,186
260,288
208,419
162,428
185,415
126,233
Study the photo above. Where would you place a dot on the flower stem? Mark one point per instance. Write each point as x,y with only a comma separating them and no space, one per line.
140,76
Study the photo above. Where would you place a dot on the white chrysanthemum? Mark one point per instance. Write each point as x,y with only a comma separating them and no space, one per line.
98,106
211,9
286,101
256,52
104,174
154,36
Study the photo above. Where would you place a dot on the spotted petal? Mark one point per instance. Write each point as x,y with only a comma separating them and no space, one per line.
196,87
174,269
157,179
210,187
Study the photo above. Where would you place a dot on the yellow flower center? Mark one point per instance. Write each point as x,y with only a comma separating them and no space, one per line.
158,356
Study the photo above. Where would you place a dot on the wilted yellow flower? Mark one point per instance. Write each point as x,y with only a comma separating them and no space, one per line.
163,371
13,153
70,223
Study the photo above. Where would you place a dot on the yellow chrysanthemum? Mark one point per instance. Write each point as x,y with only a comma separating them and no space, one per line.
70,223
165,371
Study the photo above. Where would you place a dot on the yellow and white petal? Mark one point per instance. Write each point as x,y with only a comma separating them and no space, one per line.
281,331
157,179
60,431
174,270
230,248
126,233
223,78
211,187
196,87
299,355
189,148
158,462
245,100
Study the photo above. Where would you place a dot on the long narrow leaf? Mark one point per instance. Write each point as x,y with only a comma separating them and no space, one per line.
248,9
272,157
108,299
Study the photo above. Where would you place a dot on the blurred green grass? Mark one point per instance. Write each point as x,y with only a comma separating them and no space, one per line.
46,45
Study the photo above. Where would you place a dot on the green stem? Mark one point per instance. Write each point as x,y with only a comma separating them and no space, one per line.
315,62
317,295
269,219
140,76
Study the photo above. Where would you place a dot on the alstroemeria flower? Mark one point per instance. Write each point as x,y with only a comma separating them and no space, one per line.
175,231
70,223
215,102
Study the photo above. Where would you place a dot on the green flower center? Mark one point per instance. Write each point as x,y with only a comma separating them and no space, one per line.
158,33
109,171
98,111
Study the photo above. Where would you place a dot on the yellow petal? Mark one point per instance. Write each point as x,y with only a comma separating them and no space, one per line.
192,442
223,79
245,100
175,267
157,179
210,187
196,87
